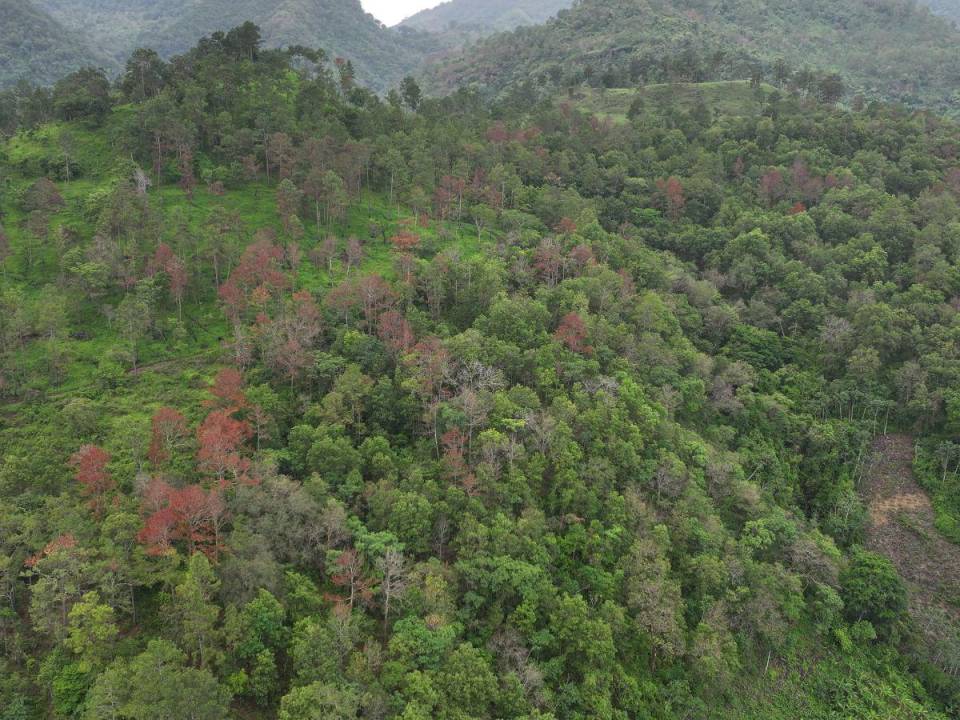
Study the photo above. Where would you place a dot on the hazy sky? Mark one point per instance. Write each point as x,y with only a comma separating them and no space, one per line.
393,11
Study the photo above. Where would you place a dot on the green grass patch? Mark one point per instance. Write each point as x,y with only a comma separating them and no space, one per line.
735,98
51,371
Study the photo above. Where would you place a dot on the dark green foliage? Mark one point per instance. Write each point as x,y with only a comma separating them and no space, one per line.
755,346
144,76
83,95
154,685
872,591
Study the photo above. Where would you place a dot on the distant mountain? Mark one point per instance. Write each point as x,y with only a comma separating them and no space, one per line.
889,49
949,9
35,47
381,56
485,16
117,26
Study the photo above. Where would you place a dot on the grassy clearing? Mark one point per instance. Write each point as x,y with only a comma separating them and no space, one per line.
736,98
177,352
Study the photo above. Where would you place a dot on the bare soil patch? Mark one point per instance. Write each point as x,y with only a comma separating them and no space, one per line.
902,528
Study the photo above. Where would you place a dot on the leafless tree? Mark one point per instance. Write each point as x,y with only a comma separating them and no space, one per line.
392,566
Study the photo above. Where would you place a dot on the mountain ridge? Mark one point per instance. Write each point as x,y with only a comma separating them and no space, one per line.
893,50
381,56
949,9
484,16
37,48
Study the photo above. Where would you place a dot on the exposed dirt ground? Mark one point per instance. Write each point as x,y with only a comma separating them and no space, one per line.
901,527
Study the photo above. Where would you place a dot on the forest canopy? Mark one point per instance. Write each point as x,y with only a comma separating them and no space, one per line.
321,404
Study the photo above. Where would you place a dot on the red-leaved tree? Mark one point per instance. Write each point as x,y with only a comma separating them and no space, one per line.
190,515
376,297
771,186
429,363
349,574
673,197
227,391
90,466
220,437
548,261
168,430
405,241
566,226
260,267
395,332
454,461
572,332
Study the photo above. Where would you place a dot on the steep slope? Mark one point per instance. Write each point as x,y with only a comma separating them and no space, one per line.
892,50
572,409
902,527
381,56
35,47
485,16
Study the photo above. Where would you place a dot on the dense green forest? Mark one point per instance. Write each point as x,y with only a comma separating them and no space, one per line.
894,50
317,404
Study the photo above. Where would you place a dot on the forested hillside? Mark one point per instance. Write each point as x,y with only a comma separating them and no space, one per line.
894,50
117,25
321,405
35,48
485,16
891,50
380,56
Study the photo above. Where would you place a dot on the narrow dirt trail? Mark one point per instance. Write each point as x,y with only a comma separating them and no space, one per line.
901,526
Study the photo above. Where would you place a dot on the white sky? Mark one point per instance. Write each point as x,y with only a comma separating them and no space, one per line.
391,12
